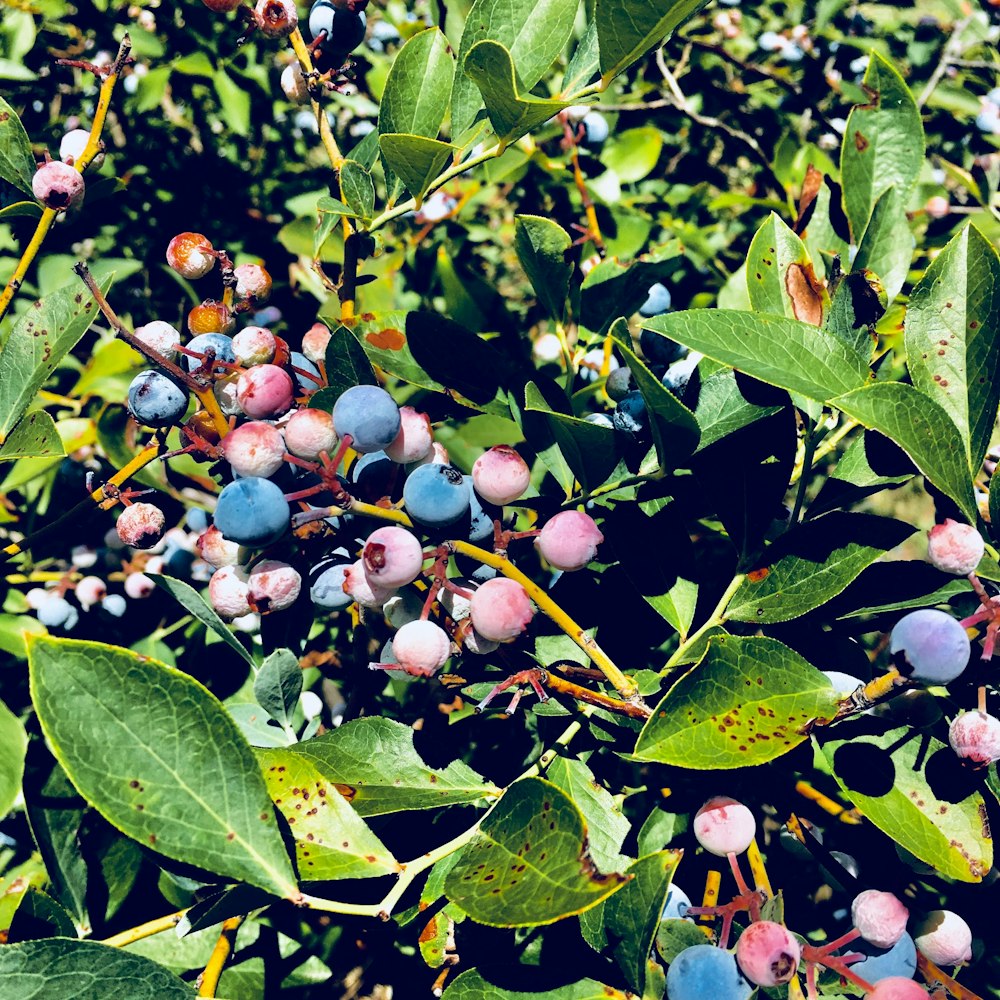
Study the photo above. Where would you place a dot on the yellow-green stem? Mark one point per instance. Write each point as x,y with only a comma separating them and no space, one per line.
148,929
209,981
716,618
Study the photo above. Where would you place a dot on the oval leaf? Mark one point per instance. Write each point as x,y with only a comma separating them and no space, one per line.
914,789
747,702
529,863
418,87
953,337
13,746
65,969
415,160
158,756
17,165
541,247
35,436
373,764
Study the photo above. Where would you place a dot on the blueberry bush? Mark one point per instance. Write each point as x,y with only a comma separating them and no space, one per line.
497,500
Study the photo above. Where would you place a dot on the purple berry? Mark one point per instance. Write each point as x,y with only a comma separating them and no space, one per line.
369,415
156,400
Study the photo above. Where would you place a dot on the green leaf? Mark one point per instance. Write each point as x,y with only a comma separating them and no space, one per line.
858,304
374,765
588,449
605,821
675,430
21,210
541,246
779,351
39,340
537,30
883,144
418,87
17,165
627,31
673,936
632,916
278,685
633,153
346,365
471,986
886,248
722,408
192,601
541,398
158,756
416,161
235,101
66,969
384,341
780,275
584,64
27,913
922,429
34,436
529,863
913,788
13,746
748,701
331,840
490,66
357,189
953,337
812,563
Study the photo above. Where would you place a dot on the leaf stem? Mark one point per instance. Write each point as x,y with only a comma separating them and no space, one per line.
91,150
209,979
829,445
808,455
716,618
148,929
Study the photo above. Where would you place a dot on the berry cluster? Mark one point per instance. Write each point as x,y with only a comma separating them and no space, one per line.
876,955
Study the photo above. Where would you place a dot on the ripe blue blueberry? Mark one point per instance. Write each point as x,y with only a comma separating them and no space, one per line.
57,612
373,475
436,495
369,415
197,520
115,605
481,515
345,30
619,384
630,416
881,963
252,512
218,342
156,400
595,128
305,383
658,350
657,300
931,645
676,905
704,971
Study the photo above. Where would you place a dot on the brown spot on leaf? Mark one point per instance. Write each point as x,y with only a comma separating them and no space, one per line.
806,293
387,340
756,575
860,142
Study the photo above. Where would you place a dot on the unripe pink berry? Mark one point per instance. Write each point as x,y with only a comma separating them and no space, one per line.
976,737
190,255
414,440
954,547
500,475
945,938
393,557
500,610
229,592
274,586
254,449
724,826
767,953
569,540
314,342
252,282
254,345
897,988
438,455
265,391
937,207
309,432
293,84
160,337
90,590
359,588
216,550
276,18
141,525
57,185
879,917
138,585
421,646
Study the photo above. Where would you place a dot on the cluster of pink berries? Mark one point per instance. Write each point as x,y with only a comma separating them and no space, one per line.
768,955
